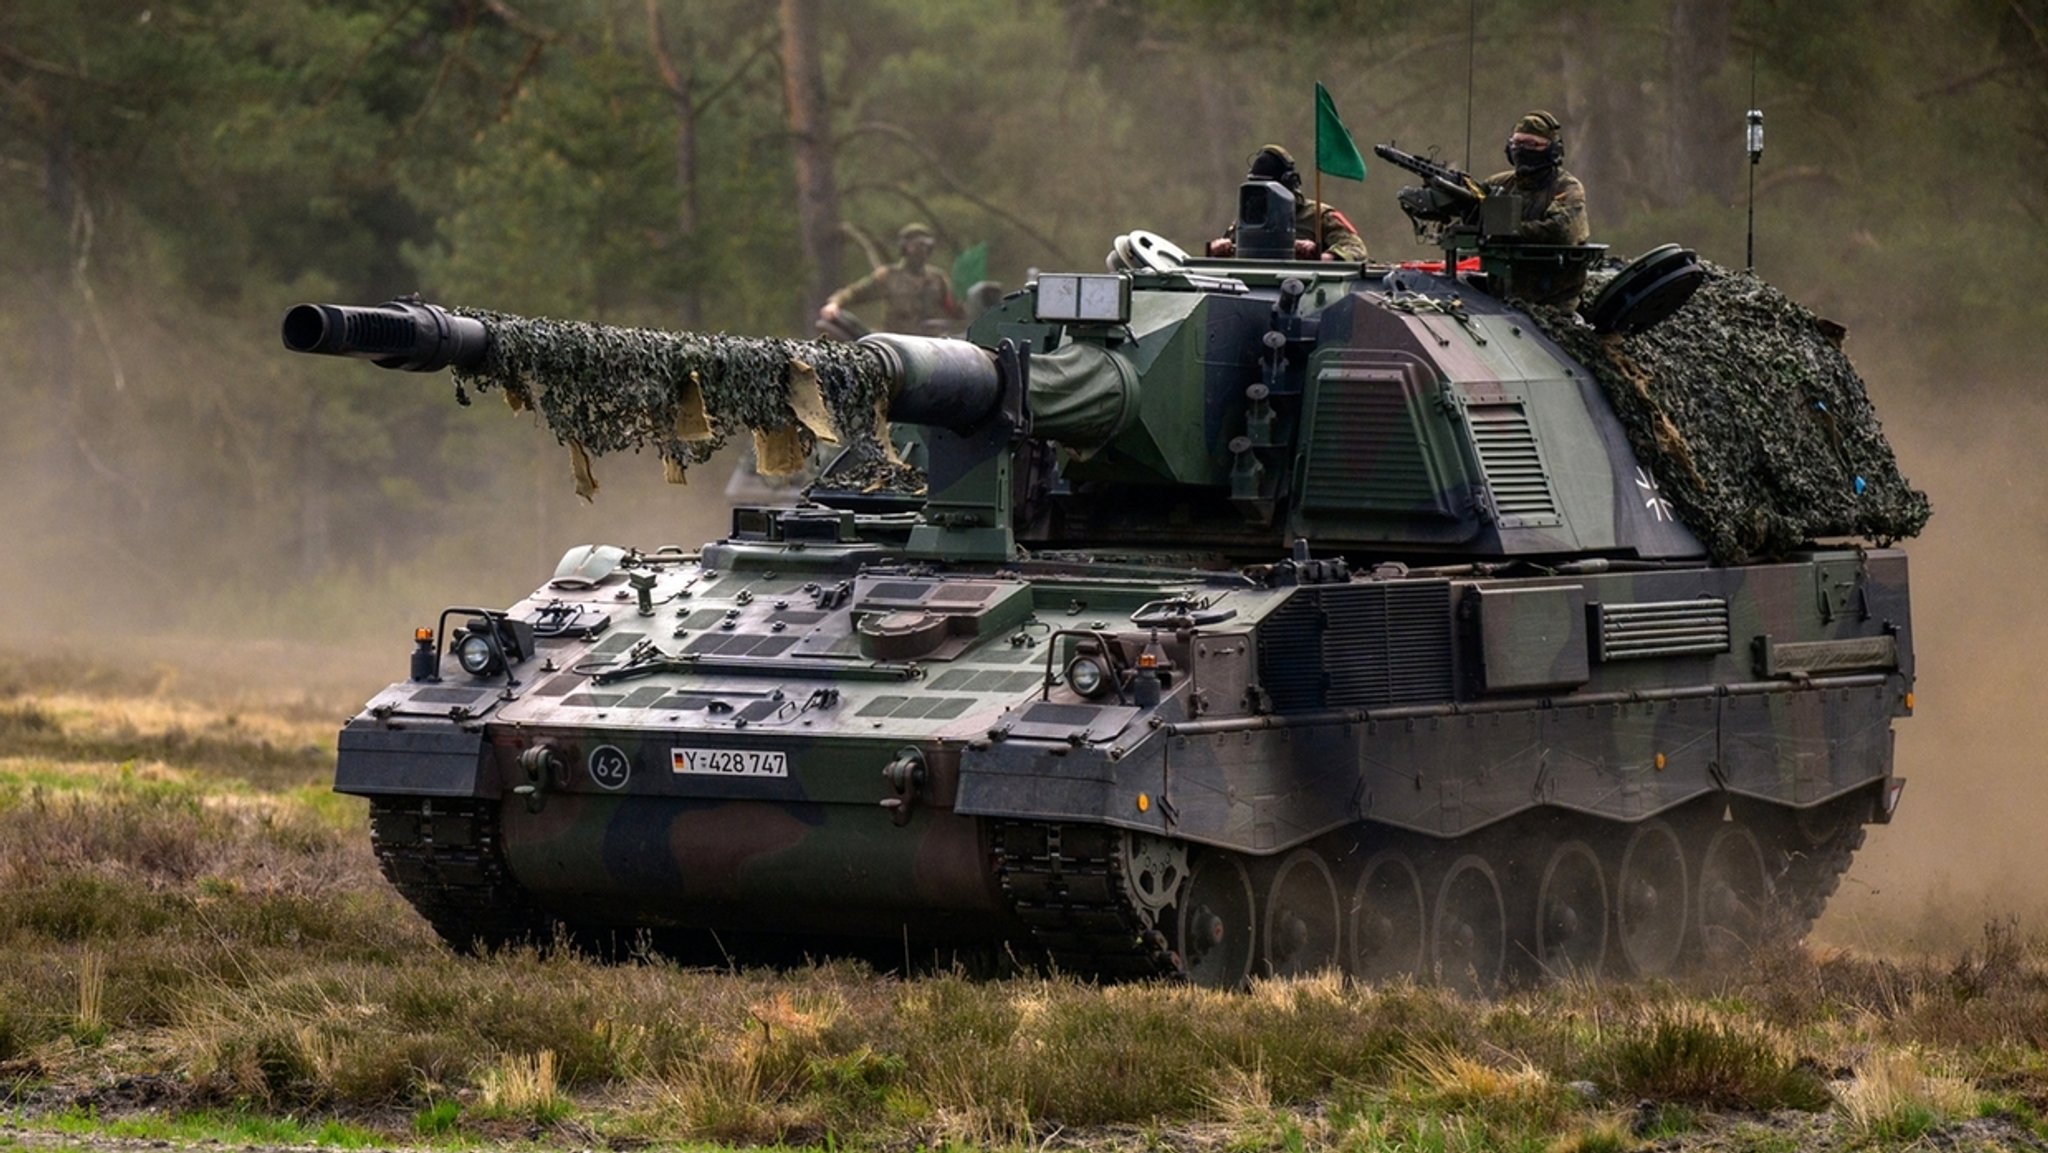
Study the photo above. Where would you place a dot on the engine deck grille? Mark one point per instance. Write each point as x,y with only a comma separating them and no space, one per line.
1662,629
1358,646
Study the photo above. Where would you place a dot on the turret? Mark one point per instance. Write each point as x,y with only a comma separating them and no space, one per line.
1229,408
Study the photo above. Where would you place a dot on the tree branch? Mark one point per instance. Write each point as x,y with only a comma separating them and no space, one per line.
2034,30
1966,82
1797,174
720,90
869,250
519,23
918,203
2033,213
48,69
448,60
657,37
35,172
909,140
519,75
82,231
363,57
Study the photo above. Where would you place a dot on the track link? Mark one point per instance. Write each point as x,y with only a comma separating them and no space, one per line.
1808,878
1067,883
444,856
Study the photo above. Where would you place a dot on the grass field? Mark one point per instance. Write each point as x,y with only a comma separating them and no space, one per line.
195,944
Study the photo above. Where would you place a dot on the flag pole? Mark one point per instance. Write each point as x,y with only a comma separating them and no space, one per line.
1319,199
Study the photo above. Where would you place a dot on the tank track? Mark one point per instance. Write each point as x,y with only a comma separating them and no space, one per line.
1807,880
443,855
1067,883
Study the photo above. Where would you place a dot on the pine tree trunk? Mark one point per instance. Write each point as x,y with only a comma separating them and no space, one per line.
678,84
817,195
1703,138
58,339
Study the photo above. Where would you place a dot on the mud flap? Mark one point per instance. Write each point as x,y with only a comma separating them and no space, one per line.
415,762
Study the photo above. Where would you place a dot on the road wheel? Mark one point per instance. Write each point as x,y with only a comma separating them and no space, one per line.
1469,928
1571,911
1389,919
1649,895
1735,893
1303,922
1217,923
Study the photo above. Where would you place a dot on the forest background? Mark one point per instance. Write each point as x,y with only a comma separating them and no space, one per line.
173,175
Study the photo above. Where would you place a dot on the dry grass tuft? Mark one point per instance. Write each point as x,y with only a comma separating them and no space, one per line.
524,1086
1461,1081
1606,1135
1688,1054
91,1019
1241,1098
1895,1094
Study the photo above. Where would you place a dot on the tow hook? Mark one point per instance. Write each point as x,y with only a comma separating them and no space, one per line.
905,777
541,763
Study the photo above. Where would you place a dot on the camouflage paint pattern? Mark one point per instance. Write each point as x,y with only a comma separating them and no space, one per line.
818,736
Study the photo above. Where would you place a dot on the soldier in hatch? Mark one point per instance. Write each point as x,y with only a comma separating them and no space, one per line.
917,297
1553,205
1340,240
1553,200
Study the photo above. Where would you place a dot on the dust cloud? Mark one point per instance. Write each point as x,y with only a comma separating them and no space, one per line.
1966,845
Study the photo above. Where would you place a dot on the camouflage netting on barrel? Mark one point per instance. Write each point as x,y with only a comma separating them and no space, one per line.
603,389
1754,422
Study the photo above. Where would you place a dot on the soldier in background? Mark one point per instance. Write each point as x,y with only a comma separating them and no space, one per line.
1340,240
1553,200
918,297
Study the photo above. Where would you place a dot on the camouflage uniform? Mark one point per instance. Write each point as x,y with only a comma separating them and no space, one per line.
916,298
1553,205
1340,239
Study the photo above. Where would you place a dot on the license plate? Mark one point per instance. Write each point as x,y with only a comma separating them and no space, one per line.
730,762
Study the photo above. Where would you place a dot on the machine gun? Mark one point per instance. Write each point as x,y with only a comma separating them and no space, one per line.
1446,198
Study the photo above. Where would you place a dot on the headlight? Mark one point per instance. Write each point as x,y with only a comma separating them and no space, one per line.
1086,676
476,655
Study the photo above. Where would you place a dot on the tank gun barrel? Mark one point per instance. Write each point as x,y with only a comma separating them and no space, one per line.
1079,395
400,334
937,381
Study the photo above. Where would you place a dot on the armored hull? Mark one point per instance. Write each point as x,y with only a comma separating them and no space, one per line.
1465,774
1291,617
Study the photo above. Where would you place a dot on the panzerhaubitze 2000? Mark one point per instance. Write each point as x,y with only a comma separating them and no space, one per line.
1227,617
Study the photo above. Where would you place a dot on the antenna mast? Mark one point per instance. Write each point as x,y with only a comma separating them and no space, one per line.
1471,51
1755,141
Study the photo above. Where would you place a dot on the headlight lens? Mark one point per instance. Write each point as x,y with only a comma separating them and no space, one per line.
1086,676
474,653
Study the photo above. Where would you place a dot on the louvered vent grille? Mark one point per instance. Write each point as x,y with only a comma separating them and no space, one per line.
1663,629
1290,655
1513,467
1358,646
1365,453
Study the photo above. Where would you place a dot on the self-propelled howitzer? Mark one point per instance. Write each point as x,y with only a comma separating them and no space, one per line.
1257,616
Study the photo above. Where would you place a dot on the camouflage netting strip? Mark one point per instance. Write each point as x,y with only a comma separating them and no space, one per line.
603,389
1754,422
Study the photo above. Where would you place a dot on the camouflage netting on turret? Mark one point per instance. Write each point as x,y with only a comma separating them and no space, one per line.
1752,419
603,389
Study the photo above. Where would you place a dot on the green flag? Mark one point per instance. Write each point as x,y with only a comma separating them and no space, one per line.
970,268
1335,153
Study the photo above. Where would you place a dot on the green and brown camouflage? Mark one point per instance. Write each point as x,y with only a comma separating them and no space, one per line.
1258,616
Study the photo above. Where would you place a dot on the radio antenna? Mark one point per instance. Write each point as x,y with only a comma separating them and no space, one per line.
1471,51
1754,138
